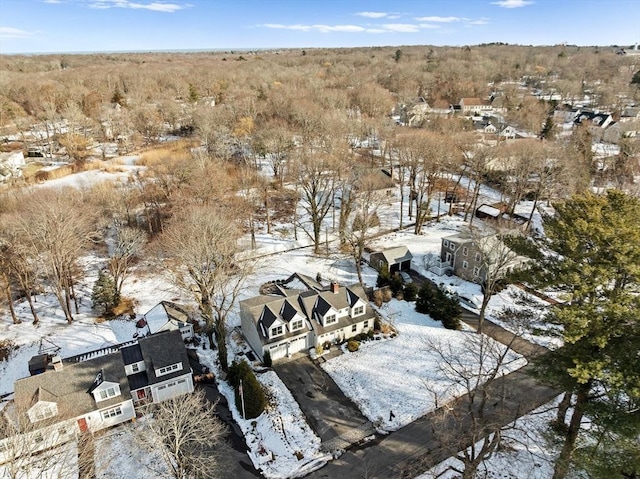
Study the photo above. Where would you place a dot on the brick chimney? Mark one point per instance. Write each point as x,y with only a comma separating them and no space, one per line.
335,287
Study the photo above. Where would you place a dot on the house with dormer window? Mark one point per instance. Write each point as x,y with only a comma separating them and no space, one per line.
67,397
301,314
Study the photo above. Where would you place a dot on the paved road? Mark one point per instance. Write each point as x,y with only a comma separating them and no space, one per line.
328,411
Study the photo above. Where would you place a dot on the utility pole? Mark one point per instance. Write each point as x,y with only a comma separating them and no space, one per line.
244,415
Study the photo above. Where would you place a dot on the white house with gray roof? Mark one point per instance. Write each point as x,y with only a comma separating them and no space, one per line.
293,320
72,396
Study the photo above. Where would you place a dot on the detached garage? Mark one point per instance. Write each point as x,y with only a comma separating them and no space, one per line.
392,260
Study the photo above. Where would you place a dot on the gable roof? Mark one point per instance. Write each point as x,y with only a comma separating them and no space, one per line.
161,350
69,386
396,255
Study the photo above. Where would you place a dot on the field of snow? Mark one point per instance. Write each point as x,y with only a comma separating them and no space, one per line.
403,375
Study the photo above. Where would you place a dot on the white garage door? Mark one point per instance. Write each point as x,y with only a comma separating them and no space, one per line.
172,389
278,352
297,345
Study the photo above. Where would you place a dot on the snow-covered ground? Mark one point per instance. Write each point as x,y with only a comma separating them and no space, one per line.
281,431
524,451
403,375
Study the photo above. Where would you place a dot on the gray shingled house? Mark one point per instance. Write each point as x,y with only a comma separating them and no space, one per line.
302,314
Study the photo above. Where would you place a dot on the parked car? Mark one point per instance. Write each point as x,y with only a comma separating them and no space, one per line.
405,277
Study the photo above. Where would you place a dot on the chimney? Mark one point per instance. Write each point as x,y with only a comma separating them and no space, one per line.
335,287
56,362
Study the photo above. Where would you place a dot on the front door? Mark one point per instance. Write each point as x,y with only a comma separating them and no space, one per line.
82,424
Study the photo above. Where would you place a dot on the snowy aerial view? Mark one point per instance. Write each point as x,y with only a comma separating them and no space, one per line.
278,240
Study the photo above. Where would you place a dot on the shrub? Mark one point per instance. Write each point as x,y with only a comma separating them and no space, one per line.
353,346
410,292
439,305
267,359
377,297
396,284
6,347
387,295
254,398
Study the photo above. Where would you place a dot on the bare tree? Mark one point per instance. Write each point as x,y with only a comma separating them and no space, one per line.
55,226
18,264
315,176
127,246
497,260
188,435
30,448
472,427
367,197
198,248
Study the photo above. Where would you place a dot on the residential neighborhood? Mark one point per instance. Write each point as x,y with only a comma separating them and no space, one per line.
399,243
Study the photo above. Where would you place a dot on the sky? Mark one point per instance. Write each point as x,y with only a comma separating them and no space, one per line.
71,26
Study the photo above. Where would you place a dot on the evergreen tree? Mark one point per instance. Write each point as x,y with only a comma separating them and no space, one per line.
595,261
240,373
105,293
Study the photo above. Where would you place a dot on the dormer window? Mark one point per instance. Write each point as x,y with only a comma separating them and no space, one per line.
297,324
330,319
44,411
108,393
168,369
358,310
277,331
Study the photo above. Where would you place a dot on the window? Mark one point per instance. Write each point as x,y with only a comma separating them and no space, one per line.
182,381
354,328
168,369
445,243
44,412
330,319
476,271
107,393
113,412
448,257
465,251
38,437
478,258
62,431
465,264
276,331
135,368
295,325
452,246
358,311
365,324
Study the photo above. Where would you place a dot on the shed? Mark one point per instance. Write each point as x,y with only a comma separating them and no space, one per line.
392,260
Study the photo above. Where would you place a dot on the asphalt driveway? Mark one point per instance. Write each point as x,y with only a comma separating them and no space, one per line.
329,412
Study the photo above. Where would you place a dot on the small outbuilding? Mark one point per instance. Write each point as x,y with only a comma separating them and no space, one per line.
392,260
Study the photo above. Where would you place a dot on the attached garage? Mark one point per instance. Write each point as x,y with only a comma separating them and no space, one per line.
281,350
171,389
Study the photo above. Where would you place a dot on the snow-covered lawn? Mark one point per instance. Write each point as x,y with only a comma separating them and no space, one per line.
524,452
281,443
402,375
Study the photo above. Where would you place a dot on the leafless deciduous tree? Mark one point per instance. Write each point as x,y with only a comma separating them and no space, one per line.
497,261
188,435
198,248
473,368
127,246
315,177
30,448
55,227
